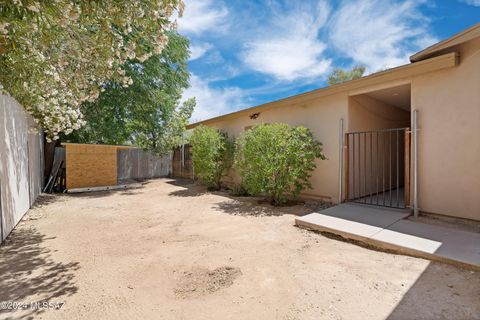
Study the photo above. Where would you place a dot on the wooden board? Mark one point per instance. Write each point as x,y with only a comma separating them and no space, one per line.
91,165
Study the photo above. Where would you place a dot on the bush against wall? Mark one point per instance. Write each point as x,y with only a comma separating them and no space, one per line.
212,155
277,160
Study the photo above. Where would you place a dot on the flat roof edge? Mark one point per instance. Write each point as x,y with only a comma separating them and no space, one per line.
456,39
397,73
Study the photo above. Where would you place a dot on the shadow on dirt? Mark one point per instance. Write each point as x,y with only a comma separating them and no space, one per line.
29,274
190,192
441,292
246,205
45,199
244,208
181,182
190,189
252,206
106,193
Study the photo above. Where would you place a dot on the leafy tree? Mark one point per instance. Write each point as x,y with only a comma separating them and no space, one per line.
212,155
56,54
148,112
340,75
277,159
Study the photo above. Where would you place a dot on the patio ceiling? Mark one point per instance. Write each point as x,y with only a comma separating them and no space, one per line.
398,96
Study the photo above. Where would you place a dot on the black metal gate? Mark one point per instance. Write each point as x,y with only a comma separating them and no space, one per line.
377,165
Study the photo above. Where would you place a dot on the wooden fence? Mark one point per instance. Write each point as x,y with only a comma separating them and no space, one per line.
182,162
142,164
21,163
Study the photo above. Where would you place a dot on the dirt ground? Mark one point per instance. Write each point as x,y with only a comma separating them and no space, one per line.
171,250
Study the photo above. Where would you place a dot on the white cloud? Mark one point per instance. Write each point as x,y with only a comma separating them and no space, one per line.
379,33
215,57
197,51
472,2
293,40
212,102
425,41
289,48
287,59
203,15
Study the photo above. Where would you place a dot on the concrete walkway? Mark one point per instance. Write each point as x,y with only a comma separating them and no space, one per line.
387,228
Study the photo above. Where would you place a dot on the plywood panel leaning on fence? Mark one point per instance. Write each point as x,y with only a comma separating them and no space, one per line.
90,165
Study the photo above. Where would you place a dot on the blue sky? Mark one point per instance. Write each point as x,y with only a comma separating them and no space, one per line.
246,53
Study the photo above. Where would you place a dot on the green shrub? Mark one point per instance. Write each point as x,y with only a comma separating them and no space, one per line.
277,160
239,190
212,155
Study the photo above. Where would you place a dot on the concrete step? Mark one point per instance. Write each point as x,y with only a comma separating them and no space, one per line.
386,228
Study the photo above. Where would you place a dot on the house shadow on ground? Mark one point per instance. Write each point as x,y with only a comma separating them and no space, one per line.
441,292
28,273
246,205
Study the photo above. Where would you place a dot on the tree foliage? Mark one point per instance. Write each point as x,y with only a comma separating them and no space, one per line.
277,159
212,155
56,54
340,75
147,113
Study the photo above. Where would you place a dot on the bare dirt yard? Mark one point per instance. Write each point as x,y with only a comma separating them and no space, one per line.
171,250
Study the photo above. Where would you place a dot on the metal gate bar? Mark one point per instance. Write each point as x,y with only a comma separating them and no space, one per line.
374,162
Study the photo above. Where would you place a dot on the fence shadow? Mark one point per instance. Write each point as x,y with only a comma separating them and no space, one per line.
45,199
106,193
29,274
441,292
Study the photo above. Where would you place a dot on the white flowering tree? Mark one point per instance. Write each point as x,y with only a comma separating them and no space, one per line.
149,113
56,54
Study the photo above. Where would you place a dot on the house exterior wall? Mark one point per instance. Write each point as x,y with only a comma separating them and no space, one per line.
21,164
322,117
448,104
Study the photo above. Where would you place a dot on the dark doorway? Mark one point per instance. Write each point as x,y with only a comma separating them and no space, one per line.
378,167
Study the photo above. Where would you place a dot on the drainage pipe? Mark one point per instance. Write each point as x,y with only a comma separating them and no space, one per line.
340,166
415,163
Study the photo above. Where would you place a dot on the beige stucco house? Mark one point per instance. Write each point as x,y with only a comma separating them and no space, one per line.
367,129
